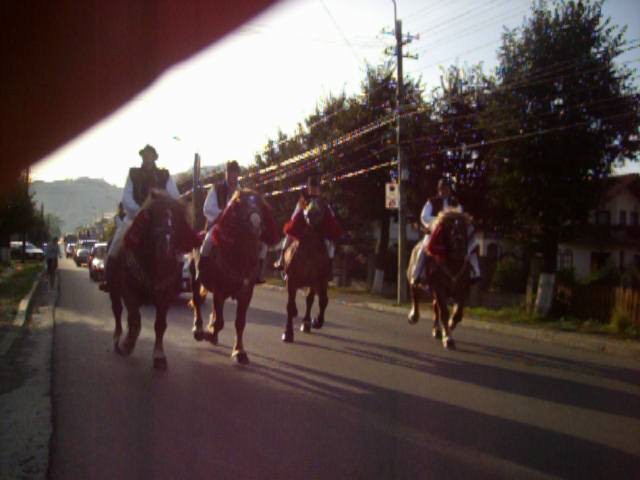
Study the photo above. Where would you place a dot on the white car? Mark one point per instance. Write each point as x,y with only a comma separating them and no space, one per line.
30,251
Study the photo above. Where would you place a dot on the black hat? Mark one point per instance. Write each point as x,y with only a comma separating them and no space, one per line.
149,149
232,166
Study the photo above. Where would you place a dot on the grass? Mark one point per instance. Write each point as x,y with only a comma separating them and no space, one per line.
15,287
619,327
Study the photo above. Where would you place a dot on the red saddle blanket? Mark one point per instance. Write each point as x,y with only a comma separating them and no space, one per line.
297,227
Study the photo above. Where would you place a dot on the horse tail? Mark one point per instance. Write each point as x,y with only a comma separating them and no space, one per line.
203,294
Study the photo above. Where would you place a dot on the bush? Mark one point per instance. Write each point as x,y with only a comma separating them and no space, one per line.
608,275
620,321
510,276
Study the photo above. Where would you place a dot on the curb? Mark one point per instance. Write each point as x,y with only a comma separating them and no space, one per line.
22,315
584,341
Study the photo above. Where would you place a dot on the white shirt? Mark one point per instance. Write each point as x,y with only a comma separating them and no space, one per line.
131,207
211,209
427,212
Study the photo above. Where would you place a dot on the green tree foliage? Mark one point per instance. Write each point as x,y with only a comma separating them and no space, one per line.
561,117
455,142
17,211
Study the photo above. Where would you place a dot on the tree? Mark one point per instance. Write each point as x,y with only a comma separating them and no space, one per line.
561,117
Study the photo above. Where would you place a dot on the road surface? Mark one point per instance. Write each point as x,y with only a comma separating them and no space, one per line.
368,396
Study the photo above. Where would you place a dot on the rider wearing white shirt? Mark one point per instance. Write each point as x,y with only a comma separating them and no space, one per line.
430,211
139,183
217,200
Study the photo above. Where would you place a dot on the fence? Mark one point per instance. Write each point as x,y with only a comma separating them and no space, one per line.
600,302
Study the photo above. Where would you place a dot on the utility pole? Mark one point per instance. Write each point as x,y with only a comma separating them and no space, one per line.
403,171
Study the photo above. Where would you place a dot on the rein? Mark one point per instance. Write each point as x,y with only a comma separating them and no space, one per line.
454,278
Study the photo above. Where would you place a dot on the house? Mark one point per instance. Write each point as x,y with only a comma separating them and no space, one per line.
612,235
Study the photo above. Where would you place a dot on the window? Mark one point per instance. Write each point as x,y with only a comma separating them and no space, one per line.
599,260
565,259
633,219
603,217
623,217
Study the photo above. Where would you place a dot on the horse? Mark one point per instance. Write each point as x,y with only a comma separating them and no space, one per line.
232,267
307,264
447,273
147,269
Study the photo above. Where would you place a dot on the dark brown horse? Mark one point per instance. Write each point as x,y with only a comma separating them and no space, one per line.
447,273
307,264
147,269
231,268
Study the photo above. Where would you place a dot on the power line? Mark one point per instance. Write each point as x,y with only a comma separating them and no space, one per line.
344,37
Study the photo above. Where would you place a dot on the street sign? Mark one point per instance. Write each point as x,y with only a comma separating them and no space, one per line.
391,198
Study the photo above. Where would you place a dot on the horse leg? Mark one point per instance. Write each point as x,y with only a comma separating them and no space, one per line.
238,354
414,314
447,341
292,312
306,321
436,332
116,308
323,301
133,328
456,317
197,299
160,326
216,322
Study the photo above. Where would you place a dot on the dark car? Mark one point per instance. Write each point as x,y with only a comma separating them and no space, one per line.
82,251
96,261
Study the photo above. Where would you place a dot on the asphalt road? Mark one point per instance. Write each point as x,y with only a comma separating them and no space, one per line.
368,396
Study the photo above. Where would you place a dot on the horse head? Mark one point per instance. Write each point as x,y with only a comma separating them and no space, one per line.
455,226
159,234
314,213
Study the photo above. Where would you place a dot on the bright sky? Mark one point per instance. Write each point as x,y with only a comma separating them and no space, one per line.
227,101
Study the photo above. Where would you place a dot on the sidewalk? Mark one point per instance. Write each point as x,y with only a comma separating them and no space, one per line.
25,391
597,343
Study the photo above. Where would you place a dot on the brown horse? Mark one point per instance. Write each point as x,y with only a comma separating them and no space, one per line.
231,269
307,264
147,269
447,273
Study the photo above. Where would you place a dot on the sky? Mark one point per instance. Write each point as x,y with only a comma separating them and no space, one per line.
228,100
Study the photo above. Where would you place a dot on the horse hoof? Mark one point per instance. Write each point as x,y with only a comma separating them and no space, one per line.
240,357
317,323
198,335
436,333
125,348
413,317
160,363
305,327
212,338
448,343
287,337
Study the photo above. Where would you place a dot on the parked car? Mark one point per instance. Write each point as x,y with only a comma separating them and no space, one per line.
30,251
96,261
69,250
82,251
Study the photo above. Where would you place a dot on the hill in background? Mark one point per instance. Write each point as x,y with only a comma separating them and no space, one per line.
77,202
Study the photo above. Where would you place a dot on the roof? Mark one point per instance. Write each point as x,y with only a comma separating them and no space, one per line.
620,183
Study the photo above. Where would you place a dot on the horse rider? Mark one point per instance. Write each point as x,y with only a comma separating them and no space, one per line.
311,191
433,206
217,200
139,184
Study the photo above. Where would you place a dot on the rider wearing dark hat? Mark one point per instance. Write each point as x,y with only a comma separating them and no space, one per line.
432,208
311,191
216,201
140,182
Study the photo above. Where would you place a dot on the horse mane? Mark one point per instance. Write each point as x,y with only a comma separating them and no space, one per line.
161,199
451,214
